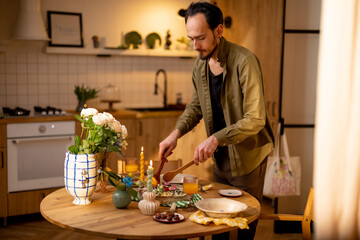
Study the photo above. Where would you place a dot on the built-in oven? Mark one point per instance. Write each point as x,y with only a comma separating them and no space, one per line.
36,153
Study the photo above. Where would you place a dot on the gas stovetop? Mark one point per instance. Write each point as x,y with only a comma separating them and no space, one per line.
38,111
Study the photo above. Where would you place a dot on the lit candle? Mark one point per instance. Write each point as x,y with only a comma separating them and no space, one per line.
150,172
142,170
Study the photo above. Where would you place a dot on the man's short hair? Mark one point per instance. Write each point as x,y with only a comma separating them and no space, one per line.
212,13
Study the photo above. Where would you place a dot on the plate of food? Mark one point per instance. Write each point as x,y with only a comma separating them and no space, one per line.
230,192
167,193
166,217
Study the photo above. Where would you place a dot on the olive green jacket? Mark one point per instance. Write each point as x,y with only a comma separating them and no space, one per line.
248,132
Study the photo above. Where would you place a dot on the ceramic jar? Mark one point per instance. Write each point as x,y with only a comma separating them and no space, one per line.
80,176
149,206
121,199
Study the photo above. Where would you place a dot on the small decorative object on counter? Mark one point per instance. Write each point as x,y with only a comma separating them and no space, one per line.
83,94
101,134
95,40
167,40
122,196
110,94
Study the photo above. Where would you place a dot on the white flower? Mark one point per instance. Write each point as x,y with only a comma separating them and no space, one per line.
108,117
99,119
116,126
87,112
124,131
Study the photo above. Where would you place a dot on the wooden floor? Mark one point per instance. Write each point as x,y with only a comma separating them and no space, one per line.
37,228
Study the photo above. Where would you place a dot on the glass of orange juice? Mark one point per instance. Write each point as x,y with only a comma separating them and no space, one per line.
190,186
131,165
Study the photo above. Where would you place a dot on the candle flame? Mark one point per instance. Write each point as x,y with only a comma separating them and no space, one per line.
142,149
151,162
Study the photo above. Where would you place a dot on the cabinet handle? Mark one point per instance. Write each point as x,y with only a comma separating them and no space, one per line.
43,195
2,159
140,128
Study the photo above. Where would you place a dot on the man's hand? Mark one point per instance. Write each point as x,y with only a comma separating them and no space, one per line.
168,144
205,150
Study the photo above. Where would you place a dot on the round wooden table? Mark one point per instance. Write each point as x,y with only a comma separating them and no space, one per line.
102,218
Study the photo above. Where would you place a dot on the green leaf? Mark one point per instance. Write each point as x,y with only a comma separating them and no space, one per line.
132,192
73,149
77,140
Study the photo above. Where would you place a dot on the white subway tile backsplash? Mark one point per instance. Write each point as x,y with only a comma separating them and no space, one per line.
10,57
43,68
33,101
43,79
10,79
32,58
2,79
2,58
47,79
10,68
42,57
33,89
21,78
2,68
21,58
32,68
11,90
22,89
11,101
53,68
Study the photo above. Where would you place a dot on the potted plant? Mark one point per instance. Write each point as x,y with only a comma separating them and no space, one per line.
122,196
101,134
83,94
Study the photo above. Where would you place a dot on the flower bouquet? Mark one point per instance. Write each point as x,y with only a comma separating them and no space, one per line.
101,134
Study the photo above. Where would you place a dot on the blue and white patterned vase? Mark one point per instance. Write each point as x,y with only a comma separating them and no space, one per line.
80,176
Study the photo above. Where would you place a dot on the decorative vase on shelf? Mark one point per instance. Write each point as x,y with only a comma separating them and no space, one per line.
80,106
80,176
149,206
121,199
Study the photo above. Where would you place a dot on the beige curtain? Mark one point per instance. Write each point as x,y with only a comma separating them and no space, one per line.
337,124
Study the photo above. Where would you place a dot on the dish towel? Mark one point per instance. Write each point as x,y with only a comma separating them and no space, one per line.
200,218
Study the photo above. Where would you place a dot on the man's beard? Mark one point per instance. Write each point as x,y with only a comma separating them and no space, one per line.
212,51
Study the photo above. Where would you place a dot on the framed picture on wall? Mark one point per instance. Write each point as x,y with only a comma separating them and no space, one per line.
65,29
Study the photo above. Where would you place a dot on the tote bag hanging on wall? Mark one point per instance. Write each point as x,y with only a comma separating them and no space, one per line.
283,173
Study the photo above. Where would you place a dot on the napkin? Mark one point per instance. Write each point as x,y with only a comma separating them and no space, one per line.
201,218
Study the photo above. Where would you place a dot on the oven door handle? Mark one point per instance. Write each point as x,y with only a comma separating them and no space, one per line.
17,141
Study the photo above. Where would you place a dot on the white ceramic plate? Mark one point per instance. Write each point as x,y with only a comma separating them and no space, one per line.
230,192
220,207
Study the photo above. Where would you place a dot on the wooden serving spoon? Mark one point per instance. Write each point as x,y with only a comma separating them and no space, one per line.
170,175
158,172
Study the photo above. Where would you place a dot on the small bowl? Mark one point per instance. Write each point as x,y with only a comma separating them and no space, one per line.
220,207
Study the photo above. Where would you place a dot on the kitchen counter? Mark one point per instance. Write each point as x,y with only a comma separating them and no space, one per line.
118,114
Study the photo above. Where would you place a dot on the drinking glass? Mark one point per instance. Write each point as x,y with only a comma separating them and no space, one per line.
190,186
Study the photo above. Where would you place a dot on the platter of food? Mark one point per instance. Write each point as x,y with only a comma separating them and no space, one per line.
166,217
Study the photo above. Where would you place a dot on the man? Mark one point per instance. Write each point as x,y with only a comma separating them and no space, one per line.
228,94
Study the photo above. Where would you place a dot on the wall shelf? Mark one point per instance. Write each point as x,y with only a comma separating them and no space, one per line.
121,52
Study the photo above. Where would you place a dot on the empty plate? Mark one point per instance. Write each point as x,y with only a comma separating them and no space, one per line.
230,192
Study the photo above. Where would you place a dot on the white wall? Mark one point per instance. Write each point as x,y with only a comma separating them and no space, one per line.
29,76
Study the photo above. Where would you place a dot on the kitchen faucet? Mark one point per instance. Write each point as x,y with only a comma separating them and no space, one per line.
165,85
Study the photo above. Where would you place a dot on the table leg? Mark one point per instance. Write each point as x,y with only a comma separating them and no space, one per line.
233,234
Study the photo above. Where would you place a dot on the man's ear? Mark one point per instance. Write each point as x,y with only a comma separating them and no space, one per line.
219,30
